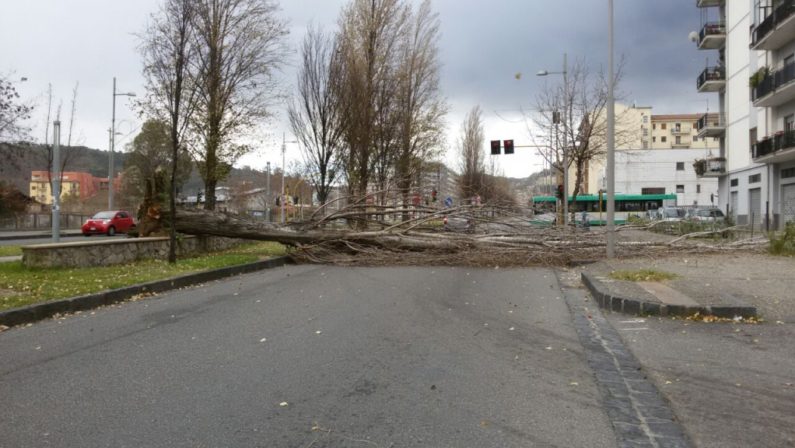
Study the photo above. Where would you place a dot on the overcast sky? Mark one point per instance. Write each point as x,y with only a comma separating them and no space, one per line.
483,45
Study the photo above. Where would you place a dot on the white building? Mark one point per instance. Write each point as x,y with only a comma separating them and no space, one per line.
756,127
665,171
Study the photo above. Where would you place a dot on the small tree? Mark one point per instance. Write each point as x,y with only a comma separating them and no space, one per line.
13,112
315,116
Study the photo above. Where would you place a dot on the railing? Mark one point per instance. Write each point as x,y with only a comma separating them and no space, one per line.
783,12
711,120
714,165
711,29
774,80
680,131
767,146
716,73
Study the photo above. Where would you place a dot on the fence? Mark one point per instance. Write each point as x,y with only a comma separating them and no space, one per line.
41,221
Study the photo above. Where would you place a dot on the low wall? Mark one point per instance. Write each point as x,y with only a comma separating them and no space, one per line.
118,251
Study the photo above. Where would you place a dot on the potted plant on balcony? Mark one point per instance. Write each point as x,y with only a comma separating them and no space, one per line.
758,76
700,166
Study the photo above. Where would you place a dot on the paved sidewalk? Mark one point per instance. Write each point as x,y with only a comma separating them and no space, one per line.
754,279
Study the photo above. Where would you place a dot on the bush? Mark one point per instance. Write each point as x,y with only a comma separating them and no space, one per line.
783,244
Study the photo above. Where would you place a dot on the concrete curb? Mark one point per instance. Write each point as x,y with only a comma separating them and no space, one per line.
606,300
40,311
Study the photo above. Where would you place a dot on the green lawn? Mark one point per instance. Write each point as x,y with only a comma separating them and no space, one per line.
642,275
20,286
10,251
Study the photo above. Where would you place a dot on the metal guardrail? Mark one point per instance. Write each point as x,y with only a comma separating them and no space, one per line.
716,73
782,12
711,120
774,80
711,29
770,145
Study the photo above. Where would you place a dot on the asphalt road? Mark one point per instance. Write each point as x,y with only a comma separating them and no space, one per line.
311,356
63,239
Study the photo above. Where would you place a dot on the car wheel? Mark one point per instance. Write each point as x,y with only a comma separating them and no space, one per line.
111,231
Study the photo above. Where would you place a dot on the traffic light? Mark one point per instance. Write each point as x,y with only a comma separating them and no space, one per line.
495,147
559,191
508,146
433,195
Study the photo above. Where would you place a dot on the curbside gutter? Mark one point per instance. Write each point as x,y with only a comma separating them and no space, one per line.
606,300
34,236
33,313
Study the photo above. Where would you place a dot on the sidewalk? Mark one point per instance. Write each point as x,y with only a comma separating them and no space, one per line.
732,280
28,234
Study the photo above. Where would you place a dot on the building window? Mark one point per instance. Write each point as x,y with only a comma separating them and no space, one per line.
754,178
680,188
663,139
714,139
789,172
654,139
734,182
645,132
645,119
654,125
695,139
645,145
698,188
752,136
678,127
680,166
678,140
652,190
789,122
663,126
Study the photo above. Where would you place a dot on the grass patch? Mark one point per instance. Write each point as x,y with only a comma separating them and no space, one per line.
784,243
20,286
10,251
642,275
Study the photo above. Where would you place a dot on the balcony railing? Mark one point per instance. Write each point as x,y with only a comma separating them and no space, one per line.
712,35
682,130
711,74
782,140
713,166
713,120
708,3
782,12
773,81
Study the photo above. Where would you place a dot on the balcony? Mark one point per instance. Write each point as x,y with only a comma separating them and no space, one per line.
712,79
712,36
711,125
709,3
681,130
776,149
710,167
776,29
776,88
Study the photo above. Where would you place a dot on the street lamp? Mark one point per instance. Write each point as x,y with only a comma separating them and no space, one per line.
113,143
611,124
284,172
565,135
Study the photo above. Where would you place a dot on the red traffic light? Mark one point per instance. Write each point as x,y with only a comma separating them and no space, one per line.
508,146
495,147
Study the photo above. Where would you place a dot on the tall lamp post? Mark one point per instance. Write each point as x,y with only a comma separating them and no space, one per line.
566,117
284,172
113,142
611,162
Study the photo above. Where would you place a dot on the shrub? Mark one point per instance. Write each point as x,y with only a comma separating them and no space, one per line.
783,244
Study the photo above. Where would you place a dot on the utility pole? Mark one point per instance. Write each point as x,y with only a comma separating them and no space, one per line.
113,143
268,192
566,119
56,181
284,166
611,161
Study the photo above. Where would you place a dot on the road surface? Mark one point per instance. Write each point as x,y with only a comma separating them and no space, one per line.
311,356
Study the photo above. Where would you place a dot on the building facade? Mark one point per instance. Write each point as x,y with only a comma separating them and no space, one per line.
74,184
756,128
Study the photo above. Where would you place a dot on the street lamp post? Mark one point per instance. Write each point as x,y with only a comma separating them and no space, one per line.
566,117
268,192
284,171
56,181
611,162
113,143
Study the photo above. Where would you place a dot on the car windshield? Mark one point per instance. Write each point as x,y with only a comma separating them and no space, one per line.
104,215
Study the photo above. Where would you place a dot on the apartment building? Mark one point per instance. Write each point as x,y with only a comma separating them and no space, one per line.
74,184
658,154
757,127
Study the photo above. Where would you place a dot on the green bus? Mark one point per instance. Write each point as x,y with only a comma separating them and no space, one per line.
641,205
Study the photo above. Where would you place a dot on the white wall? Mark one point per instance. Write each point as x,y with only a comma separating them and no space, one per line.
638,169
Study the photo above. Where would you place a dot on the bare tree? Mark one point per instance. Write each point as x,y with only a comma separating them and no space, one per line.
72,111
168,48
368,41
585,124
420,107
471,159
240,45
13,112
315,117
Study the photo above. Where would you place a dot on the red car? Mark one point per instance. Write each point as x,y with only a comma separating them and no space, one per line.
111,222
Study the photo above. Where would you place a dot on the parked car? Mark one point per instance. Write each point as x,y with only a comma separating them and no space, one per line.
710,215
671,213
109,222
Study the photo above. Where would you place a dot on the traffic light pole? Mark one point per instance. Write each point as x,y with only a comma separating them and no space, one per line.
565,141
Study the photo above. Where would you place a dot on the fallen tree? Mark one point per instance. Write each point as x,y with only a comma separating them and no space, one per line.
467,235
